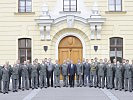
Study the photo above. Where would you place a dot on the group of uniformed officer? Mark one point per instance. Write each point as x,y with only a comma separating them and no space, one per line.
91,73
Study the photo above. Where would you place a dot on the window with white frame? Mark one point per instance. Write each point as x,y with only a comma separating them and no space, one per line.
70,5
25,6
115,5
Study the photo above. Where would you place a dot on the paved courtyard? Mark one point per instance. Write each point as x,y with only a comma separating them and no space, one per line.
77,93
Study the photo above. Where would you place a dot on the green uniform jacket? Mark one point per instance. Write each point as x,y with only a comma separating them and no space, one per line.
79,69
118,72
15,72
56,69
64,69
109,70
101,69
5,74
127,71
34,70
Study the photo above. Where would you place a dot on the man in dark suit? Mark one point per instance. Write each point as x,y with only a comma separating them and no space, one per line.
71,72
50,68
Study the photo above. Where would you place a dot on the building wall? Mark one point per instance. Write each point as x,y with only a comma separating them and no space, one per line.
14,25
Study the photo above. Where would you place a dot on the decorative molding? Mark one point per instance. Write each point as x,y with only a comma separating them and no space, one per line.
95,22
47,19
70,21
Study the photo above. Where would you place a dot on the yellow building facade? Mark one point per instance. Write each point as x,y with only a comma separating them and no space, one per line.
103,28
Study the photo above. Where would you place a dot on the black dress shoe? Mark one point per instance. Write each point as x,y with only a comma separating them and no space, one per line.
22,89
54,86
13,91
7,92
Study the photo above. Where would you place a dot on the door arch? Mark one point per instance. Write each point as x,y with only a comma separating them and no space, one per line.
70,47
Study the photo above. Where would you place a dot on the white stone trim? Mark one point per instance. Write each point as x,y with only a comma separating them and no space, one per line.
72,34
19,37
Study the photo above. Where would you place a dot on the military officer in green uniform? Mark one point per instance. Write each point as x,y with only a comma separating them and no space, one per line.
65,74
79,73
113,68
96,65
56,74
109,75
38,69
87,73
123,69
29,65
10,73
105,72
5,78
43,73
34,75
93,74
15,78
25,76
101,74
128,77
118,76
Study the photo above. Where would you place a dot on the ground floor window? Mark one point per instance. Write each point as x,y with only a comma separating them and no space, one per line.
24,49
116,48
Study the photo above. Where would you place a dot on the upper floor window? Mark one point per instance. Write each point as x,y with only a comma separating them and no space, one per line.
70,5
25,6
115,5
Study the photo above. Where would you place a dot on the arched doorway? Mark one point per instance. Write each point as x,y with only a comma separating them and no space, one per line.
70,47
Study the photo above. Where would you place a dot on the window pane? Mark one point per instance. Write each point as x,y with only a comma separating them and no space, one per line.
28,52
22,3
111,2
28,43
111,8
22,6
119,41
112,41
119,49
73,2
21,9
66,2
118,2
22,52
22,43
118,8
73,8
66,8
28,5
28,9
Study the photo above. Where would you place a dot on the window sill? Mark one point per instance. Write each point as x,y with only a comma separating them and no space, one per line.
24,13
115,12
70,12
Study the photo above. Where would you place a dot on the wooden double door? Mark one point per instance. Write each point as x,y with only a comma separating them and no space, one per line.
70,47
